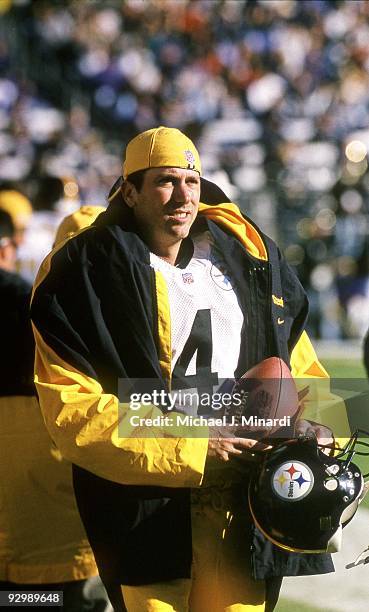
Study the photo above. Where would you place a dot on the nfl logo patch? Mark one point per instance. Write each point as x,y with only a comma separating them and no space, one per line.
190,158
187,278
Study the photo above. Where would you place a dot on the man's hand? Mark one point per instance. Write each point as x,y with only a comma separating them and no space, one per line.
323,434
223,445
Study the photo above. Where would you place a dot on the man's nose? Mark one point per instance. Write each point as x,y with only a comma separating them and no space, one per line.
182,192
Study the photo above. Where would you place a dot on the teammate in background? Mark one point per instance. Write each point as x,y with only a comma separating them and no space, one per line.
83,217
43,545
19,208
172,284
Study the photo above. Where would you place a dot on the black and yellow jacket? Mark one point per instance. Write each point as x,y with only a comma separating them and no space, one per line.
100,313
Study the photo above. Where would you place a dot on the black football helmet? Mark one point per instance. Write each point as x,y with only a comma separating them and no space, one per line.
300,498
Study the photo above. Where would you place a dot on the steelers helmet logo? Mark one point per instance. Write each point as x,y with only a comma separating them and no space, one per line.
292,480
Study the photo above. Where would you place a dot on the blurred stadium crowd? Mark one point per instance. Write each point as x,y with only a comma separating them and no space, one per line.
274,92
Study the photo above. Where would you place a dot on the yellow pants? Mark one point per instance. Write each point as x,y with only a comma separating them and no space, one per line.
221,573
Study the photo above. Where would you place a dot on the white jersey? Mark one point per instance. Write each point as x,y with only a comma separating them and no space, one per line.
206,319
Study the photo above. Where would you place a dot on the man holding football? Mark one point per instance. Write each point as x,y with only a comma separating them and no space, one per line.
172,284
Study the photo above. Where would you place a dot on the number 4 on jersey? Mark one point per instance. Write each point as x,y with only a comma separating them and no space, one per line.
200,340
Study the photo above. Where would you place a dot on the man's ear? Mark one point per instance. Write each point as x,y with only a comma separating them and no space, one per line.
129,192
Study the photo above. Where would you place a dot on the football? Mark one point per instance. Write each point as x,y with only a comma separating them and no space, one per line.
265,400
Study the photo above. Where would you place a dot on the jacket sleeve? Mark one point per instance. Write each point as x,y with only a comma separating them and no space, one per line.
318,402
87,424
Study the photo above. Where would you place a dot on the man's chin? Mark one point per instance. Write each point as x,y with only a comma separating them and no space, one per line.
179,231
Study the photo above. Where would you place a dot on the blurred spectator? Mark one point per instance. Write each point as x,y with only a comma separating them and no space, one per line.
273,92
19,208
